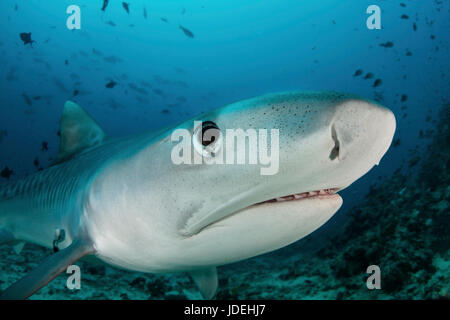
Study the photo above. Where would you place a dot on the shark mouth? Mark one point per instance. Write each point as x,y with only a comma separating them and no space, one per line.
303,195
194,227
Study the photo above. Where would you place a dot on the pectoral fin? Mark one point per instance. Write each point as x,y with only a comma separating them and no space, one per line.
206,281
47,271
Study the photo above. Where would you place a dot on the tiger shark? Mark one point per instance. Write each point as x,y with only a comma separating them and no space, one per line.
125,202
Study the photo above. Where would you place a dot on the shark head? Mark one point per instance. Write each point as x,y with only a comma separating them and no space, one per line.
163,215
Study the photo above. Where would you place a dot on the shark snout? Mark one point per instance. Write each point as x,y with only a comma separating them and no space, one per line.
362,131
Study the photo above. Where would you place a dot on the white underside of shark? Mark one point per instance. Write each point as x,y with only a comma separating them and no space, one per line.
126,203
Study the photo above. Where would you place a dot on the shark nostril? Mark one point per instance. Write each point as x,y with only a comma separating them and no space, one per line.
335,151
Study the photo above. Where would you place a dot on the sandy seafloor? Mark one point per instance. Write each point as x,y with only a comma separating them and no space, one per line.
403,226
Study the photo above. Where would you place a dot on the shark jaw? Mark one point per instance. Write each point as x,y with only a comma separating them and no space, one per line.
261,227
321,194
295,200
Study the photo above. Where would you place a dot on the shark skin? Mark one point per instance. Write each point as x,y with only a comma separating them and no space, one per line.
126,203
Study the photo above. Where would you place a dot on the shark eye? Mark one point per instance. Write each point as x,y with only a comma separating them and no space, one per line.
207,139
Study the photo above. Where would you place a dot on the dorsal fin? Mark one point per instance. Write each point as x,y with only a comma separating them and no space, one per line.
78,132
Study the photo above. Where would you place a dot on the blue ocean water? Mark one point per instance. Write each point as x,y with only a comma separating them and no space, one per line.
166,61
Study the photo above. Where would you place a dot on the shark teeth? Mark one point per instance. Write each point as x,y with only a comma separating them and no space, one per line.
303,195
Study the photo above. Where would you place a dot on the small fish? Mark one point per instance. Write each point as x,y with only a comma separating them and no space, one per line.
44,146
160,79
105,4
402,5
388,44
405,16
187,32
36,162
404,97
164,20
397,142
111,84
37,98
165,111
112,24
27,99
6,173
378,97
75,92
137,89
126,6
97,52
358,73
146,84
60,85
11,75
369,75
377,83
112,59
414,26
26,38
66,62
183,11
159,92
145,13
3,133
181,84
